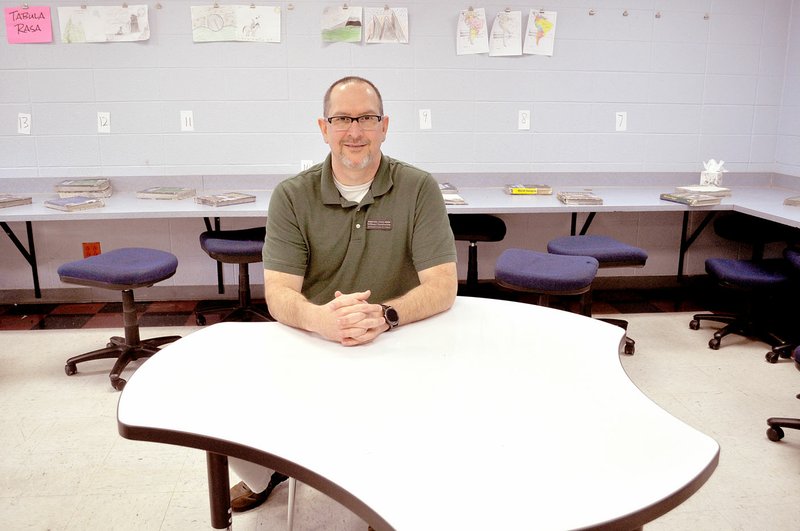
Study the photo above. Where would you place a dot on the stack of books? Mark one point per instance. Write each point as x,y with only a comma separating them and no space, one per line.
9,200
706,189
71,204
579,198
450,194
100,187
528,189
691,198
228,198
792,201
165,192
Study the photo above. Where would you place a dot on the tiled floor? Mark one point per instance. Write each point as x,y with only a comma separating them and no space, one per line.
64,466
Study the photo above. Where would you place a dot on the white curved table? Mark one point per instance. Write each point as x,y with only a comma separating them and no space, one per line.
491,415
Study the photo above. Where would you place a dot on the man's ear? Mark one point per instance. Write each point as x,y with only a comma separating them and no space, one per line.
323,128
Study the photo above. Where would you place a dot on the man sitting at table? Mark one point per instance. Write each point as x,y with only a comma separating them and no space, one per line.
359,227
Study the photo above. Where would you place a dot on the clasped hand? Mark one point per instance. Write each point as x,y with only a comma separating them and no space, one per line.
350,320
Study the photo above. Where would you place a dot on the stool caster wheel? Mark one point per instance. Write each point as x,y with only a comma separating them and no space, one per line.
118,384
70,369
200,319
713,344
629,349
694,324
772,356
774,433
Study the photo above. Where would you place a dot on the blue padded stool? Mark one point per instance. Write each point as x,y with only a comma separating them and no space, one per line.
609,252
476,228
241,247
124,270
547,274
760,280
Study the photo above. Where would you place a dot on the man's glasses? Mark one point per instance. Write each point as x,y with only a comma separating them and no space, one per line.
367,122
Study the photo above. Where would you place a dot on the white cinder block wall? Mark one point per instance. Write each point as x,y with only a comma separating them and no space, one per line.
726,86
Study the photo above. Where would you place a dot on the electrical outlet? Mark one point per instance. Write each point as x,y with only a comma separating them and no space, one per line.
306,164
91,249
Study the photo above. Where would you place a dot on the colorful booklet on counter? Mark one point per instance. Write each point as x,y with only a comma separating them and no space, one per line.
72,204
10,200
692,199
528,189
165,192
83,185
229,198
707,189
579,198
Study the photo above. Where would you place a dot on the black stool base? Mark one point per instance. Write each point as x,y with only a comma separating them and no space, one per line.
231,311
776,425
119,349
630,344
742,326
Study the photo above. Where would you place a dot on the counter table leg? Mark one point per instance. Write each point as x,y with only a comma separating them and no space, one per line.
29,254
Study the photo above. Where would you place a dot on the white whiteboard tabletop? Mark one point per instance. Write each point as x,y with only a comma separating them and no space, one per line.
493,414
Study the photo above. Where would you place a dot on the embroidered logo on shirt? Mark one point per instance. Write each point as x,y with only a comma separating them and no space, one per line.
379,224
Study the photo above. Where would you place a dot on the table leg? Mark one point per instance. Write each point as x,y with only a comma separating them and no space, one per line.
219,491
574,223
687,242
29,254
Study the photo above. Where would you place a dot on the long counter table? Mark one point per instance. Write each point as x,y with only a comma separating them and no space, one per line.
760,201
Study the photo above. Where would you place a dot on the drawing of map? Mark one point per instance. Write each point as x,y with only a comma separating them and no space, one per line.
104,24
236,23
341,24
386,25
540,35
471,34
506,34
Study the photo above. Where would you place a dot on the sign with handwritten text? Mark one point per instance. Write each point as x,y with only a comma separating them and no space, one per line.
27,25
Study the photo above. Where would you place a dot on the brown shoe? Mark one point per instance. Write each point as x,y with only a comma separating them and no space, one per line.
244,499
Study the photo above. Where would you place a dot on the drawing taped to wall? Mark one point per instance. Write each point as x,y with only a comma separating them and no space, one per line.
540,36
386,25
221,23
341,24
126,23
506,34
471,34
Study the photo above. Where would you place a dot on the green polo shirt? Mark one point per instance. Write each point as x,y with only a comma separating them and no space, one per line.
400,227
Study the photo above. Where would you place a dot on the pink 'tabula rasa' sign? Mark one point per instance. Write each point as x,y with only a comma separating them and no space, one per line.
28,25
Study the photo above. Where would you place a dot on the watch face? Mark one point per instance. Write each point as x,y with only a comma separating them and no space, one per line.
390,314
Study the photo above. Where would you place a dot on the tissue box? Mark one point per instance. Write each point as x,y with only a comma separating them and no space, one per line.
712,178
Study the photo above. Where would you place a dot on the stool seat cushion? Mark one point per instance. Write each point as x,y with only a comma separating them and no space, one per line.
125,268
604,248
772,273
234,246
477,227
543,272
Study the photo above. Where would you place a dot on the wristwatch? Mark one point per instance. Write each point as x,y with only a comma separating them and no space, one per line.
390,316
